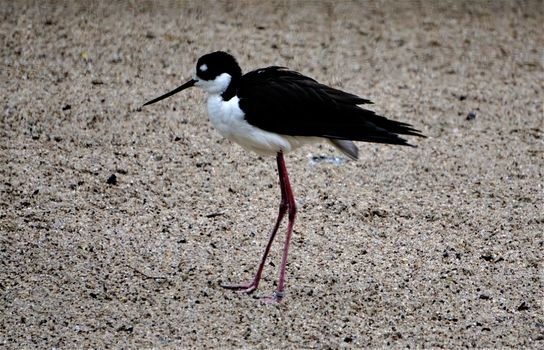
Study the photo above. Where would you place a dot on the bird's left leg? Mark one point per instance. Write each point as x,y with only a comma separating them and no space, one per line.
284,205
292,213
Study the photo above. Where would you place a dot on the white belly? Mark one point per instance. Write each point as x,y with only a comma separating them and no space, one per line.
229,120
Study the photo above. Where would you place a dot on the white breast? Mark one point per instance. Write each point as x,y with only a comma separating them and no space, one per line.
228,119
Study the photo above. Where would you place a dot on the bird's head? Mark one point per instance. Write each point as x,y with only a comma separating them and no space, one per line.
216,73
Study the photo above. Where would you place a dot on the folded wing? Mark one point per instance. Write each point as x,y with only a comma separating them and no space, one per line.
289,103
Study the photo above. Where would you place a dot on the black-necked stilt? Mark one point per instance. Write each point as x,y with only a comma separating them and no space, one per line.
274,110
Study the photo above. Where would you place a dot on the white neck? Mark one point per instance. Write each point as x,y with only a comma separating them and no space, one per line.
216,86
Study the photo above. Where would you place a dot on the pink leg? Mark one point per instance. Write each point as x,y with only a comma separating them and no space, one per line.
292,207
284,205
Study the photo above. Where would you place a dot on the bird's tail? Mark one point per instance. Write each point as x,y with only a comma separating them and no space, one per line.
347,147
365,125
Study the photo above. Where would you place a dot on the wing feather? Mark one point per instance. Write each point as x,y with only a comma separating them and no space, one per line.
286,102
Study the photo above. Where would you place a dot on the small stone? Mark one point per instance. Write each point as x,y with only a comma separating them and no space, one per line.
523,307
381,213
124,328
116,58
487,257
471,115
112,180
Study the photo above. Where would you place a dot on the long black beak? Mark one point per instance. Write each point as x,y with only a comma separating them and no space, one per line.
175,91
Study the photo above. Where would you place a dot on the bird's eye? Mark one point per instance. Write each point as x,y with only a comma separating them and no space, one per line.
203,68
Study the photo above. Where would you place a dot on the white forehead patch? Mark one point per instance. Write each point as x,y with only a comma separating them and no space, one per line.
203,67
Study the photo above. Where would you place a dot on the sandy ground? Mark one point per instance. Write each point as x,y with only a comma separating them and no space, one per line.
438,246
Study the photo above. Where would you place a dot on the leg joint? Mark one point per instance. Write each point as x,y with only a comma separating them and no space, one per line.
292,210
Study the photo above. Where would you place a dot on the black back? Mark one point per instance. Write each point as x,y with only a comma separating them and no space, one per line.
286,102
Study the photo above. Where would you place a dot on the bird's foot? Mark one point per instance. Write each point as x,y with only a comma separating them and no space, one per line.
242,288
249,288
274,299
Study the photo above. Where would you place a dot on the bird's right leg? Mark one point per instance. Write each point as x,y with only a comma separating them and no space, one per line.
252,286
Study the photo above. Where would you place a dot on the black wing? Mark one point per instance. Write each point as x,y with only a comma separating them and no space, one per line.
289,103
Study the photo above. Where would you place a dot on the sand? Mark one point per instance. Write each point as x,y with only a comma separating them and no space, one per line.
439,246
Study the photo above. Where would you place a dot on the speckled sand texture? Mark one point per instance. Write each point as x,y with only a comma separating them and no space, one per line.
435,246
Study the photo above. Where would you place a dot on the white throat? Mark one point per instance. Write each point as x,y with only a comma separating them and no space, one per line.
216,86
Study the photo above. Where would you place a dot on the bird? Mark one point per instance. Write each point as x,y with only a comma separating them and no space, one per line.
274,110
